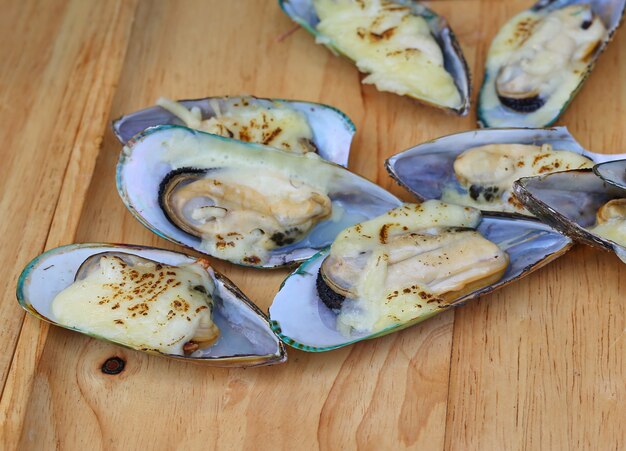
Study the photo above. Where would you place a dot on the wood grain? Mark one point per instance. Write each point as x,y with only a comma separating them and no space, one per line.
542,365
538,365
58,139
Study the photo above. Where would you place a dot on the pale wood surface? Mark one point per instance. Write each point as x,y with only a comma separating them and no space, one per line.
538,365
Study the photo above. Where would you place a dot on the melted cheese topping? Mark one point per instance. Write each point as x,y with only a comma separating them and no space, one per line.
542,54
408,261
613,230
185,150
277,126
554,43
488,172
392,45
146,306
242,213
611,222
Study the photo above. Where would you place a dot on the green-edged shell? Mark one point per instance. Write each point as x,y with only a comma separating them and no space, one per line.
301,319
147,160
245,340
332,129
303,13
491,111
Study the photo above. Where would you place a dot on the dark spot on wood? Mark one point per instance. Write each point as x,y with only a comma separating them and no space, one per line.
113,365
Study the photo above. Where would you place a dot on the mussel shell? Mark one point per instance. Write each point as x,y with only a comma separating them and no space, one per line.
426,169
611,12
92,263
612,172
301,319
245,336
569,201
332,129
303,13
141,168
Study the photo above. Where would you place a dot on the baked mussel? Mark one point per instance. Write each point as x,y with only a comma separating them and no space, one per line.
403,267
403,46
289,125
540,59
151,300
249,204
477,168
579,204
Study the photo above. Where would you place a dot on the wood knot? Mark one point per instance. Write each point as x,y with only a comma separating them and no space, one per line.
113,365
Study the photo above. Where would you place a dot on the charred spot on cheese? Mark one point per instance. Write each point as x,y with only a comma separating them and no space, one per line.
141,303
611,221
488,172
431,254
392,45
277,125
287,237
239,213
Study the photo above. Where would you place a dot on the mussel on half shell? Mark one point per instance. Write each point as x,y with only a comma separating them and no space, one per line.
285,124
540,58
403,267
81,287
245,203
477,168
575,203
402,45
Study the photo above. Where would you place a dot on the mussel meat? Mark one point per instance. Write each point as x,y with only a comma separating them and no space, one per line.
541,57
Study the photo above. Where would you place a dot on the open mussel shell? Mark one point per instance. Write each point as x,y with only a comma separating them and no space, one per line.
303,321
245,336
303,13
534,110
152,156
427,169
569,201
612,172
332,129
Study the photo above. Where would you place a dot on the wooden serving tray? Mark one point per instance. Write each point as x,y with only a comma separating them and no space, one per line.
537,365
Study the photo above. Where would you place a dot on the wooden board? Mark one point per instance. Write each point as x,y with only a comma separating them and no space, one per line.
538,365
